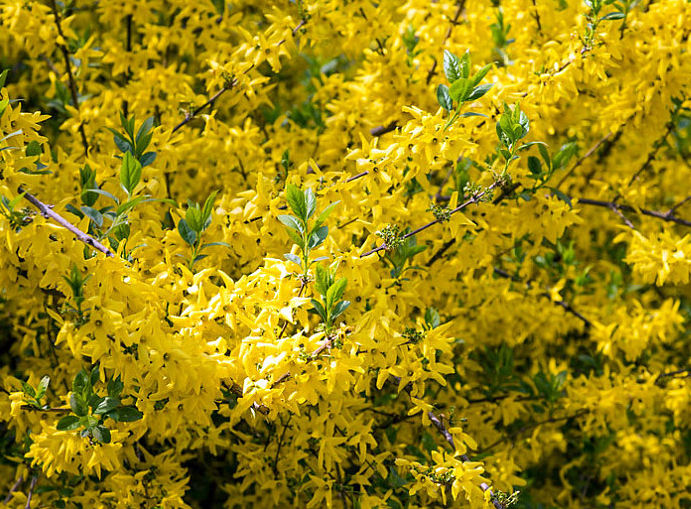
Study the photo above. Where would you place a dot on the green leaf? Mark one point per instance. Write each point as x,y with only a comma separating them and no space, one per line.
3,77
443,97
310,203
319,309
42,387
193,216
120,141
291,222
130,173
566,199
432,318
212,244
102,434
545,155
530,144
147,158
33,149
293,258
317,237
323,281
67,423
296,200
130,204
566,152
460,89
534,165
207,210
296,238
325,214
187,233
452,66
115,387
30,391
465,65
613,16
78,404
143,131
479,91
477,78
127,124
335,292
339,308
80,383
472,114
94,375
86,192
109,403
93,214
129,414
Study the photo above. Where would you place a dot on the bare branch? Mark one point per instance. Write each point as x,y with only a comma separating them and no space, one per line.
47,211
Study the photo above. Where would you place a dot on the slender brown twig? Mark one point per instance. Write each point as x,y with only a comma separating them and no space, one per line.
454,22
47,211
14,488
34,480
190,116
664,216
474,199
70,76
590,152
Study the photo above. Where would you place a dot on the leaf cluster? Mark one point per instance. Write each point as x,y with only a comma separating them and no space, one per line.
91,410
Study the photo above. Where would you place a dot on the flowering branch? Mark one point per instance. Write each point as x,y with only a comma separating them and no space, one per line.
475,199
47,211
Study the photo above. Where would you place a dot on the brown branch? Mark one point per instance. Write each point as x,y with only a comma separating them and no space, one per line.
14,488
47,212
590,152
34,480
46,410
454,22
669,127
381,130
474,199
70,76
664,216
189,117
673,374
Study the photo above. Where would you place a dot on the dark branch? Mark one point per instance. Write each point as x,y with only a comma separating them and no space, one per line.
47,211
70,76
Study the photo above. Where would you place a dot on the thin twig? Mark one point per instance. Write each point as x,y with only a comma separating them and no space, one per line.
47,410
474,199
454,22
70,76
34,480
627,208
585,156
47,211
14,488
190,116
670,212
381,130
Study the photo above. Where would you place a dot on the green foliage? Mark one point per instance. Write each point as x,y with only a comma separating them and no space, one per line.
90,410
197,219
307,234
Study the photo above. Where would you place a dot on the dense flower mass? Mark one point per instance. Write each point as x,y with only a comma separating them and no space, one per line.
352,254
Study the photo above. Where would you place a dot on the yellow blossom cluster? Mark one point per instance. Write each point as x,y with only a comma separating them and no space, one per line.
352,254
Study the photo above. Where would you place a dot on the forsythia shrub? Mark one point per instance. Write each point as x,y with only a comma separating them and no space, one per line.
353,254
